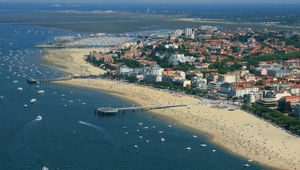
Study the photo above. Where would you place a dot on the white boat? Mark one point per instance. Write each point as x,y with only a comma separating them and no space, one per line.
160,131
32,101
162,139
25,106
45,168
126,133
41,91
213,150
250,160
246,165
188,148
136,146
194,136
147,141
38,118
140,124
203,145
20,88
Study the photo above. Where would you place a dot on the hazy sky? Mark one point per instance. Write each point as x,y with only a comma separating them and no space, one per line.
164,1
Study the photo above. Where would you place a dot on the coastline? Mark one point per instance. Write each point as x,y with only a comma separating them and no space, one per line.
237,131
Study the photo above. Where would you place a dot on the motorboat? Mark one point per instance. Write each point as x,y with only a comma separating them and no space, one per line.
41,91
188,148
38,118
203,145
32,101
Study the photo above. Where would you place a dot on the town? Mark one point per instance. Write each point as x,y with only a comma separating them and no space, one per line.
259,70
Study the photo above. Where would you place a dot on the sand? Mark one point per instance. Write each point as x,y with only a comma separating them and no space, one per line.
71,61
237,131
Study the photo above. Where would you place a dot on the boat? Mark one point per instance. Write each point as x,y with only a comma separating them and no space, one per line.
162,139
147,141
250,160
194,136
188,148
32,101
45,168
135,146
246,165
126,133
203,145
25,106
20,88
160,131
41,91
213,150
38,118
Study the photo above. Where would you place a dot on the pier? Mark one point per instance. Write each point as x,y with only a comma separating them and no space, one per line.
109,111
37,81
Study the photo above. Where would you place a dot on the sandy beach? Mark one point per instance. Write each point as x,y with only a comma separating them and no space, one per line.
70,61
237,131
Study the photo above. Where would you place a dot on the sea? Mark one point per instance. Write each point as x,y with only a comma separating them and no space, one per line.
61,131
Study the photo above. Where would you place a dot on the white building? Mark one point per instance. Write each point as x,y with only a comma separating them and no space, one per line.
240,92
188,32
175,59
199,82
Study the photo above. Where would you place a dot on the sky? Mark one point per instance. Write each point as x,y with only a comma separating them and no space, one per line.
164,1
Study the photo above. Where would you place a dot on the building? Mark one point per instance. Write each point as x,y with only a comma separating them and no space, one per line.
214,85
296,111
287,103
173,76
228,78
268,102
124,70
226,88
175,59
212,77
293,63
199,82
188,32
241,91
278,72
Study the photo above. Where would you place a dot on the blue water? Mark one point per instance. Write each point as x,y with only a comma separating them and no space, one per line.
60,141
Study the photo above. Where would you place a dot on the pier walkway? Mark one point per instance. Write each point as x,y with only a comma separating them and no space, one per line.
102,111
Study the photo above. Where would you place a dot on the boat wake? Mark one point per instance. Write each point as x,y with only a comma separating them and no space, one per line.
93,126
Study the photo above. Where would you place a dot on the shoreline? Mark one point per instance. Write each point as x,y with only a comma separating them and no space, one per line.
237,131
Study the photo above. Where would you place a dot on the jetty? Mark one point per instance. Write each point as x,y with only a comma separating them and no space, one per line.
37,81
109,111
